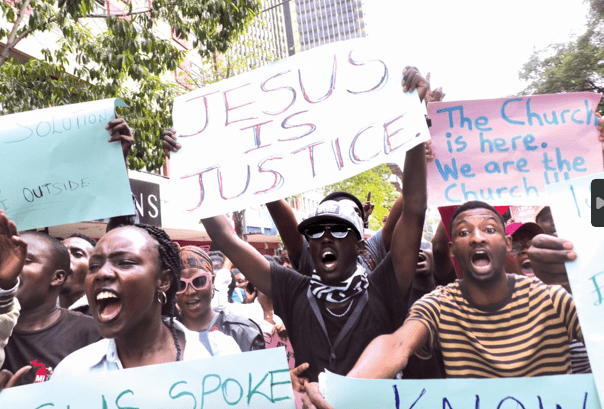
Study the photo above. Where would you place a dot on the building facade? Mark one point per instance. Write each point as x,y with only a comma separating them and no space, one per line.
327,21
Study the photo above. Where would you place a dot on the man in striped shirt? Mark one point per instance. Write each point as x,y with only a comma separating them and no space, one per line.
490,324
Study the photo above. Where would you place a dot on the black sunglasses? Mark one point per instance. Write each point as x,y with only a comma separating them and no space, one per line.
338,231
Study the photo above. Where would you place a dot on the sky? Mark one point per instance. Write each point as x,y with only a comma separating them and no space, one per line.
473,48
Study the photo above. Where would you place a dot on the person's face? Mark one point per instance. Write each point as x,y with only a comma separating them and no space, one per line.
39,273
335,259
546,221
479,243
124,278
79,253
425,264
285,259
240,280
217,264
520,244
196,301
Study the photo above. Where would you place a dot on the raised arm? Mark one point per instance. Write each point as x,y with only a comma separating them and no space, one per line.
387,355
251,263
393,217
286,223
407,234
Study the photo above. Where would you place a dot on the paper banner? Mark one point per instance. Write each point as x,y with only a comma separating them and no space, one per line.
505,151
258,379
545,392
306,121
57,166
571,208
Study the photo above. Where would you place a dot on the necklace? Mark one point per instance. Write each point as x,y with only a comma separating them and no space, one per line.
340,315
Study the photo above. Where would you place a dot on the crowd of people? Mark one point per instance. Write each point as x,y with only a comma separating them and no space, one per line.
486,297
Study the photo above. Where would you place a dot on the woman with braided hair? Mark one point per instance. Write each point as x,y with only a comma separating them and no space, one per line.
133,279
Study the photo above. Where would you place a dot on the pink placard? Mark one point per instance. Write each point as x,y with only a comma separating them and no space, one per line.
505,151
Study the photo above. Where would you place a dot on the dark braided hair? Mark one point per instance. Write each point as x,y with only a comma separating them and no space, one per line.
170,260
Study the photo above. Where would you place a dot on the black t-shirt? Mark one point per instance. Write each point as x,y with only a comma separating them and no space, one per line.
44,349
384,313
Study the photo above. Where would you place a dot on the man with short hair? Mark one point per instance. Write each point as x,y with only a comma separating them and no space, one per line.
73,294
44,333
497,325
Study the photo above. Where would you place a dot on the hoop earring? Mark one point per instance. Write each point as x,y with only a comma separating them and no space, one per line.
162,297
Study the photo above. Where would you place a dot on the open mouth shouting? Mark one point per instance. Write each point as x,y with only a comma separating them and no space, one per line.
329,259
108,305
525,266
481,261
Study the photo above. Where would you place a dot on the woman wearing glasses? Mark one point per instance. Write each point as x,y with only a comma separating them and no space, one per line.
134,273
195,294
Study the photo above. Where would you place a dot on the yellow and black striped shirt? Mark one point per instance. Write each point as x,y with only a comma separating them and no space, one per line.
526,335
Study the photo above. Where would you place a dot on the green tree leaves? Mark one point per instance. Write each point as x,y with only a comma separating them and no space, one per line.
383,193
575,66
124,58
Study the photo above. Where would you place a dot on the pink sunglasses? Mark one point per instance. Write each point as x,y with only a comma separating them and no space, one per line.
198,282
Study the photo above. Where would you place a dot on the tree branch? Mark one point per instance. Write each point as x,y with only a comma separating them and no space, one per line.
11,43
147,10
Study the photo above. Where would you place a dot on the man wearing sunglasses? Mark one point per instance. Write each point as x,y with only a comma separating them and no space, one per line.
332,315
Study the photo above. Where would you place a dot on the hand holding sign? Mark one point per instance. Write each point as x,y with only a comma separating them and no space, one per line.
294,126
120,131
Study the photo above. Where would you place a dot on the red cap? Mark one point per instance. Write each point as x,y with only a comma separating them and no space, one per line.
532,228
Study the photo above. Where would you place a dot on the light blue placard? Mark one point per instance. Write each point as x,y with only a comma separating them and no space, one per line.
258,379
571,208
546,392
57,166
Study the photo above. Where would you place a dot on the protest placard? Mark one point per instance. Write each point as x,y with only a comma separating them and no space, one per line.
571,208
57,166
545,392
505,151
306,121
258,379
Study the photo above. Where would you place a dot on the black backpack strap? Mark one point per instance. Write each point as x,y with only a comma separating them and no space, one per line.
347,327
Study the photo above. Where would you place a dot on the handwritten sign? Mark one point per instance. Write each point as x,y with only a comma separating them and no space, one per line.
57,166
258,379
571,208
306,121
505,151
560,391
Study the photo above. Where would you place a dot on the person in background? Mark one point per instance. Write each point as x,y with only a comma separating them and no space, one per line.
222,280
44,333
194,300
73,294
522,236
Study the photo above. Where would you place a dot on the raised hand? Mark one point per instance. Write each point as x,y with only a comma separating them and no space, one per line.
13,251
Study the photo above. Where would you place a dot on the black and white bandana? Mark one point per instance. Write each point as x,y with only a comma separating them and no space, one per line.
354,285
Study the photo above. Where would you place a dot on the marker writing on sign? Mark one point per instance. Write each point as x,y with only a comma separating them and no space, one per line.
52,126
446,402
232,391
